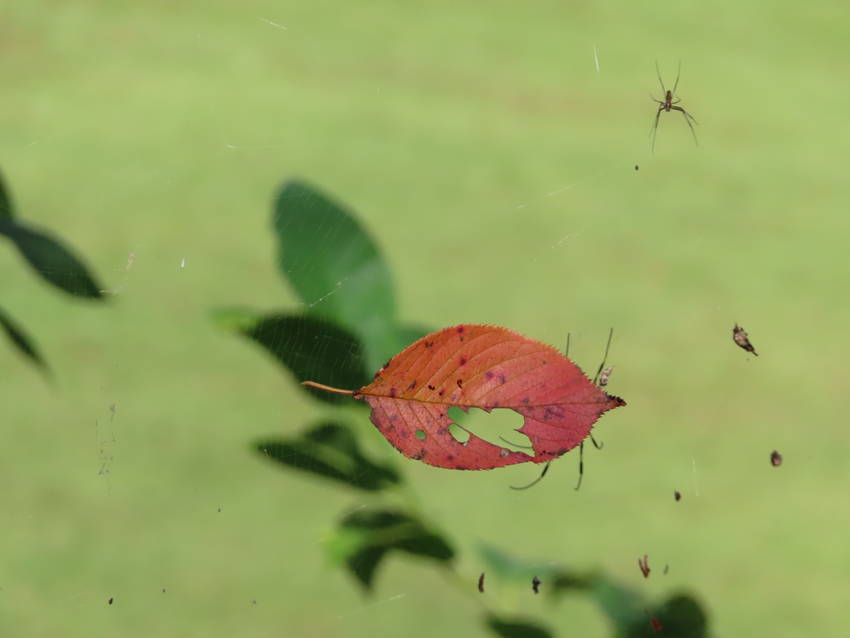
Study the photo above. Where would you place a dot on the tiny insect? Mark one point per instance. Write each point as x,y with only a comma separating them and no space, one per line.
535,585
643,563
741,338
677,495
669,104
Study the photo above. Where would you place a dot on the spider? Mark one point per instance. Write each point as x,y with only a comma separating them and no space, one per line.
669,104
596,380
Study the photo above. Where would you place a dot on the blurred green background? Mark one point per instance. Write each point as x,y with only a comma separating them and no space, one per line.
495,164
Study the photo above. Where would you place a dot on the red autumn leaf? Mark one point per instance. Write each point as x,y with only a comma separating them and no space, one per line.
486,367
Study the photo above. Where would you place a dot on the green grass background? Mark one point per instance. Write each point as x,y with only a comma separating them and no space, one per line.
495,165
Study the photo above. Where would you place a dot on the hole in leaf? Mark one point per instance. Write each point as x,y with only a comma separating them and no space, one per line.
497,427
420,434
460,435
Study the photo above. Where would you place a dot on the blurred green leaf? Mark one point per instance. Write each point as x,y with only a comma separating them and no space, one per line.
312,349
624,607
330,450
512,568
680,616
364,537
21,341
335,267
516,628
50,259
6,208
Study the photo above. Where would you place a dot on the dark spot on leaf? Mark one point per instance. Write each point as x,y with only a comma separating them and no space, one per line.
450,457
502,379
525,401
488,374
775,459
463,361
429,344
460,383
535,585
419,455
430,387
440,393
460,329
412,385
393,392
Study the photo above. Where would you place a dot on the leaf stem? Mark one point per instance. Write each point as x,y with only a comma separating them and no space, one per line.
326,388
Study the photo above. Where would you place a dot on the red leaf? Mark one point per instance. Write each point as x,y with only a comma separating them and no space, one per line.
484,367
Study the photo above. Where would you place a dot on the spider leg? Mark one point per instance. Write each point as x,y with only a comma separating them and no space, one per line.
604,357
660,81
580,464
688,119
678,73
535,481
598,446
654,128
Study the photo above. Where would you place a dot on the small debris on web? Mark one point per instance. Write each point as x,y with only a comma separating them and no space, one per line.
535,585
603,378
666,569
481,583
775,459
643,563
741,338
110,600
677,495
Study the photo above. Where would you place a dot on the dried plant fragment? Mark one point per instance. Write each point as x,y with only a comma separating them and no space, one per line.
741,338
643,563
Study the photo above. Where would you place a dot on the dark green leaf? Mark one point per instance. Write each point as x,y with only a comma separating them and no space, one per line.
330,450
363,538
680,616
335,267
312,349
21,341
516,628
50,259
6,208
